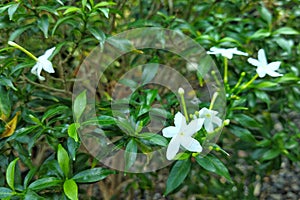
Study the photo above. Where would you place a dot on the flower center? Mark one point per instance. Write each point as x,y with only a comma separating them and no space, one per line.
208,115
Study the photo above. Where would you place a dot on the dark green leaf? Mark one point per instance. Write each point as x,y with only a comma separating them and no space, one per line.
5,192
71,189
270,154
242,133
54,111
12,9
92,175
30,195
154,138
7,82
45,183
5,105
43,24
213,164
29,176
130,154
178,173
246,120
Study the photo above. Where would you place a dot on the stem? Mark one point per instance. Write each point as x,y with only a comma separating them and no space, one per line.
225,70
239,82
213,100
249,83
181,93
213,73
11,43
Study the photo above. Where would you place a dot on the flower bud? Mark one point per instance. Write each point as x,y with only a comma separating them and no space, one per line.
181,91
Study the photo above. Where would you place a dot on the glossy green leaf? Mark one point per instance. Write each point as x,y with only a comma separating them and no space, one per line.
270,154
242,133
12,9
286,31
130,154
10,174
72,131
45,183
18,32
246,121
7,82
5,104
79,105
29,176
178,173
63,160
260,34
43,24
104,3
213,164
30,195
5,192
263,96
71,189
154,138
266,14
54,111
92,175
71,9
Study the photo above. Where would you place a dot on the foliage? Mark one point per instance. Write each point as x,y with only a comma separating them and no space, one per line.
42,156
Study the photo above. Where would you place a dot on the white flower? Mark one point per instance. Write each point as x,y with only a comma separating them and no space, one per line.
210,119
228,53
263,67
43,64
181,134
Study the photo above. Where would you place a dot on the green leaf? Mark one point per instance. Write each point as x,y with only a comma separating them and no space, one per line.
246,120
18,32
71,9
286,31
5,192
79,105
62,20
29,176
63,160
43,24
71,189
10,174
213,164
266,15
12,9
30,195
105,11
263,96
130,154
149,72
45,183
97,33
54,111
126,126
178,173
266,84
7,82
104,3
242,133
260,34
270,154
5,104
72,131
154,138
92,175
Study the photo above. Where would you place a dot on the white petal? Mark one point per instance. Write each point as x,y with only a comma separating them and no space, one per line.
274,65
47,66
34,68
261,72
216,120
39,70
203,112
191,144
170,131
262,57
254,62
173,148
227,54
48,53
208,126
274,74
194,126
179,120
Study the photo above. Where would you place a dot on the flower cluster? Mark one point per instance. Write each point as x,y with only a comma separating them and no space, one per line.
182,132
263,67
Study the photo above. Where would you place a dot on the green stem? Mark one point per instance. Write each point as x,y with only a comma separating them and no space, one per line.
213,73
181,93
225,70
213,100
11,43
239,82
249,83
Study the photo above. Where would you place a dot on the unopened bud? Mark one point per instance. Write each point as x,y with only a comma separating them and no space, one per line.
181,91
226,122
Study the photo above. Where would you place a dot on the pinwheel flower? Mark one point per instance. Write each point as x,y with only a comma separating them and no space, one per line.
181,134
43,64
210,119
263,67
228,53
